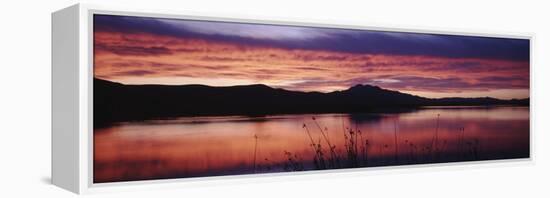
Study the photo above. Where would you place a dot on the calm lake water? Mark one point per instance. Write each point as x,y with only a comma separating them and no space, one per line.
227,145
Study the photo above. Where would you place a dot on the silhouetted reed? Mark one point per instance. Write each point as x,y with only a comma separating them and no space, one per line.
334,161
293,163
255,150
395,138
435,141
318,160
364,149
351,149
356,149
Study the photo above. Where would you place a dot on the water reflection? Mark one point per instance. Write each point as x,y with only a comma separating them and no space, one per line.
206,146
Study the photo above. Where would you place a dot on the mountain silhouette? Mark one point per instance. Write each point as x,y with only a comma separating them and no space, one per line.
118,102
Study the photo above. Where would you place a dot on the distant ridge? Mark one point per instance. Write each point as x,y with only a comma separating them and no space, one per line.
117,102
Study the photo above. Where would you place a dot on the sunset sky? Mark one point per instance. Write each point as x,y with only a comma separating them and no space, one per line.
137,50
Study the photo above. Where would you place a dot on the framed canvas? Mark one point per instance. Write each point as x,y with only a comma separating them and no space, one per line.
160,97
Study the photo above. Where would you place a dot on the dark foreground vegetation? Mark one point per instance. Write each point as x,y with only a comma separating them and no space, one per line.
360,150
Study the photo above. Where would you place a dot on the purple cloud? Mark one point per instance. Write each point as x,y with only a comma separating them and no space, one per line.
331,39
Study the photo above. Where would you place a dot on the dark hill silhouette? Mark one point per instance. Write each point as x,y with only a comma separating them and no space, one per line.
118,102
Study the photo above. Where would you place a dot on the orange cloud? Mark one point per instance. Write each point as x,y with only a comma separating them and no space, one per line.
141,58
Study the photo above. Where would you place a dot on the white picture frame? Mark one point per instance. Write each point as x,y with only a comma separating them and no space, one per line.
72,101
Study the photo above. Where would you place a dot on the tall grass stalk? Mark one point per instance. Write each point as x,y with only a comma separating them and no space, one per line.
318,159
255,150
395,139
434,146
333,156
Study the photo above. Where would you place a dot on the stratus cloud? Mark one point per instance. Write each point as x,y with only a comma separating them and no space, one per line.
192,61
325,39
257,31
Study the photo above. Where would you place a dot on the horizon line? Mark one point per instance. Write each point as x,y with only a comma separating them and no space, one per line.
243,85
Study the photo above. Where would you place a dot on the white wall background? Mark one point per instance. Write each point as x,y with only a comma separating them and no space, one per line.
25,98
